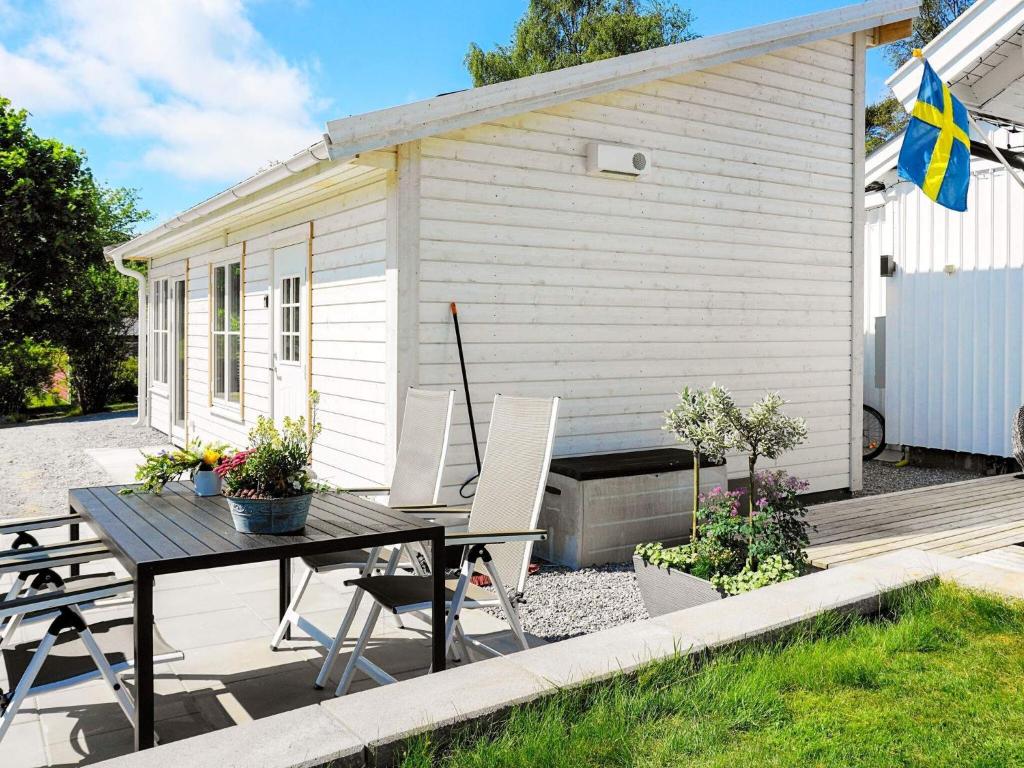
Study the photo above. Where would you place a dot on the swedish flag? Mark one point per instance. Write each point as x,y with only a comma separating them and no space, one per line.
936,153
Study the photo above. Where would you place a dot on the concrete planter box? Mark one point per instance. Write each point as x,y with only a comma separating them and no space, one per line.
666,590
607,504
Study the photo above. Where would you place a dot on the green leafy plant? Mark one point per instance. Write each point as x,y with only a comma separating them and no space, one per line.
780,525
763,430
770,570
702,420
276,464
158,469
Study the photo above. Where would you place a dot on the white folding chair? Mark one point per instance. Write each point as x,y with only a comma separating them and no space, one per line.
416,482
501,530
32,565
71,651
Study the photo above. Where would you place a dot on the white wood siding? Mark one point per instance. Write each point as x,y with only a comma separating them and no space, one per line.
953,341
348,221
731,263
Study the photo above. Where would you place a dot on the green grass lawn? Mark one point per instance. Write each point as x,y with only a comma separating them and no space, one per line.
938,683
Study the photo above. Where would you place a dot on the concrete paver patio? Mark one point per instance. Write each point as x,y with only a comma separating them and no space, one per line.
223,620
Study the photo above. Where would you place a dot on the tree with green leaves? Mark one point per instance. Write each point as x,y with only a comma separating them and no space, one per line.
554,34
886,117
56,289
702,420
764,431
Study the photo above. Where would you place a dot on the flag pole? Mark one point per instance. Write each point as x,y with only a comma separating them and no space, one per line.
984,135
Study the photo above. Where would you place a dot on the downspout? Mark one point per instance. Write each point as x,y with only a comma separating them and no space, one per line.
143,386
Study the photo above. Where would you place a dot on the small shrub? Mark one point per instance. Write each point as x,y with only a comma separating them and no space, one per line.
771,570
276,464
126,381
26,371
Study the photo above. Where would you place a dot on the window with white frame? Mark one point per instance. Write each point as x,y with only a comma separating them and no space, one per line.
290,333
160,331
226,333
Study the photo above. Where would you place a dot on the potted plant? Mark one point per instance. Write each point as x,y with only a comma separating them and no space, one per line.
269,486
730,552
196,459
207,482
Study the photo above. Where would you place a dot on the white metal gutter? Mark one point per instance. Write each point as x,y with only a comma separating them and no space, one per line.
143,335
299,162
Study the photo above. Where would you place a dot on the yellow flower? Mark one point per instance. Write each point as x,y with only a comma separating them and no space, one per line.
210,457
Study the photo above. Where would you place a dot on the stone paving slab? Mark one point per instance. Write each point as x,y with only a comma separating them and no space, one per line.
302,738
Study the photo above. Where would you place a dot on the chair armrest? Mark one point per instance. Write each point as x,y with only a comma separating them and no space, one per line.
50,600
468,538
417,507
34,559
37,523
439,508
376,490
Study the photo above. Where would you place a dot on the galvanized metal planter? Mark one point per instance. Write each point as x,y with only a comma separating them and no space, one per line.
665,590
274,516
207,483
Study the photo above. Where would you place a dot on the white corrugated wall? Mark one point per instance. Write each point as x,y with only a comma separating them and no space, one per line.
953,340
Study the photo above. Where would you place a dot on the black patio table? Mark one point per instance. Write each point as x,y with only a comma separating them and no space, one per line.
176,531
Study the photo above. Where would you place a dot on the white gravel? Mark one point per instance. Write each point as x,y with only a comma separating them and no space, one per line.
40,460
561,603
888,478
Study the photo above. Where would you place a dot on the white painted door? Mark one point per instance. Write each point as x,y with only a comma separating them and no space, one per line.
289,324
178,339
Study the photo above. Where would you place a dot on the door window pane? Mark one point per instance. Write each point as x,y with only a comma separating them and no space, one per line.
227,332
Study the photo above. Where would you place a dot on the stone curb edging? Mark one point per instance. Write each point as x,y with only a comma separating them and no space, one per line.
371,727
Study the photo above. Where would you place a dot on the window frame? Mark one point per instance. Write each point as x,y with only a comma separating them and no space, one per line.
294,308
221,337
160,332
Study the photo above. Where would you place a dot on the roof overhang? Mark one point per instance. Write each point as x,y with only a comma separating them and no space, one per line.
463,109
981,56
361,140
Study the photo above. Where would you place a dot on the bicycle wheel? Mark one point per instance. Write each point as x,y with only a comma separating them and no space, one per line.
874,433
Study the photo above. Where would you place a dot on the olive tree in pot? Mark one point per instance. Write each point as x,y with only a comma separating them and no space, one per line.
729,552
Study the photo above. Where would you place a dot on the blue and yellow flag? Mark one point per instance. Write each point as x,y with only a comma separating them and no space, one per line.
936,153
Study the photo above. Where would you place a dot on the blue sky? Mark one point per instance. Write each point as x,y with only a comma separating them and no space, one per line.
183,98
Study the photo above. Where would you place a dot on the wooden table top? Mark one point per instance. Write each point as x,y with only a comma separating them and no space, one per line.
179,531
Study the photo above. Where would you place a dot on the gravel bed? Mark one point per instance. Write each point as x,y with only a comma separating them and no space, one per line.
40,460
562,603
880,477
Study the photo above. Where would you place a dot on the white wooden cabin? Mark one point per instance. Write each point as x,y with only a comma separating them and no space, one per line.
734,258
952,360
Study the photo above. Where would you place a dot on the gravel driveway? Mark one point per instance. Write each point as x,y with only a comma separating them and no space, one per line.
40,460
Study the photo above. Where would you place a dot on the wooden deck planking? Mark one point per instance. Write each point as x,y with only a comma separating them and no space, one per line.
959,519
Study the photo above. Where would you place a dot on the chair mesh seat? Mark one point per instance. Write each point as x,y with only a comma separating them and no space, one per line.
69,657
349,558
395,592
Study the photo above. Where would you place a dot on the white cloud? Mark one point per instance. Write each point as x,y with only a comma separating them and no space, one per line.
193,80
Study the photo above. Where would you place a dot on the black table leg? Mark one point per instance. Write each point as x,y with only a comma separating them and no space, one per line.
437,617
73,535
144,696
284,592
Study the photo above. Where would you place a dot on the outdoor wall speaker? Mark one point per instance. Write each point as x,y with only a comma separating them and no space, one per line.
888,266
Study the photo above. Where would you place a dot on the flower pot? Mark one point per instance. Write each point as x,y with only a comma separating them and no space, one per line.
270,515
207,482
665,590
